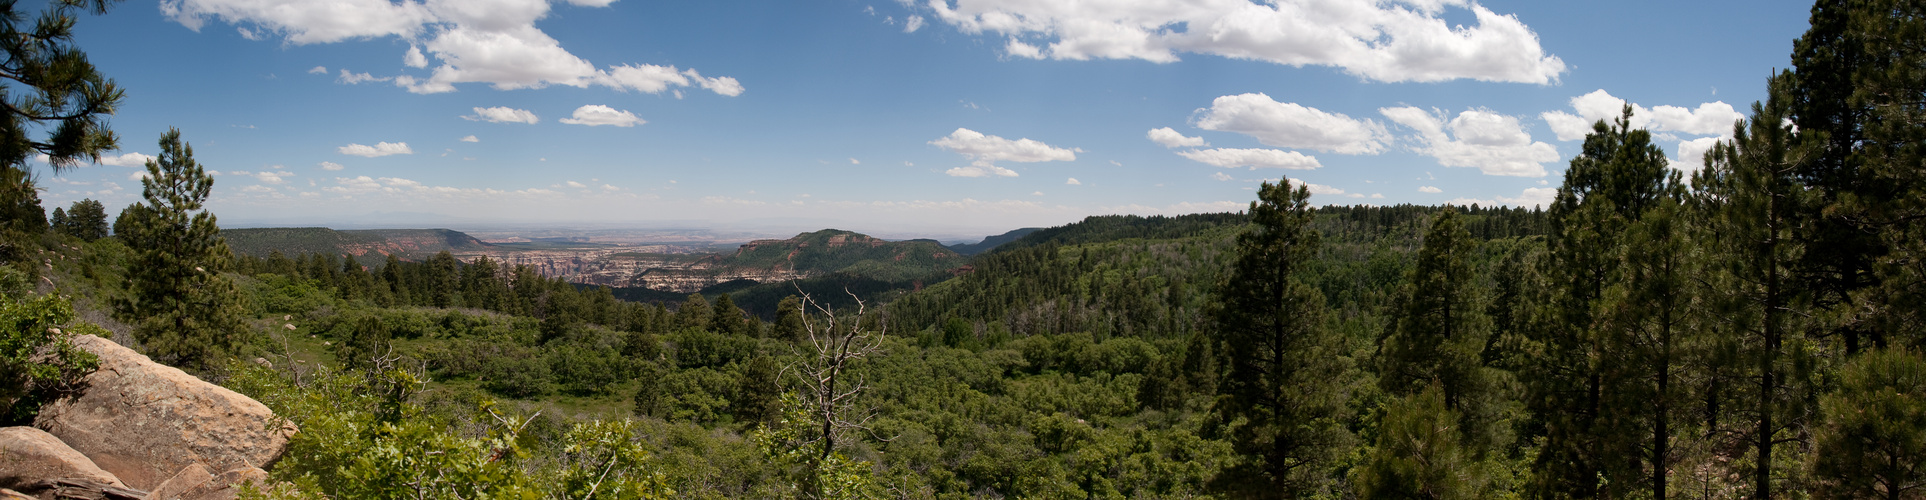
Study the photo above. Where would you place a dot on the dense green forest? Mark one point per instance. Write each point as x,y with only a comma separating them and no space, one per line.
1749,330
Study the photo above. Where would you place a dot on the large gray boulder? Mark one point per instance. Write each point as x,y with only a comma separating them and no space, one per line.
143,421
29,455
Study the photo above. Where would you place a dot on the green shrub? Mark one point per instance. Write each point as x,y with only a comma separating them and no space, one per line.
517,376
37,359
278,294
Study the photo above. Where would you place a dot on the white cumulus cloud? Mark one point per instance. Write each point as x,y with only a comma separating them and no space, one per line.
493,42
1493,143
1383,41
1169,138
1073,182
1530,197
414,58
654,79
1692,153
596,114
1430,189
125,160
471,139
986,150
1317,188
377,150
1253,158
331,166
980,171
1290,125
1711,118
272,177
352,78
502,114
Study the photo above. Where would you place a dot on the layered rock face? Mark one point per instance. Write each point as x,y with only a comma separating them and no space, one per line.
139,427
28,454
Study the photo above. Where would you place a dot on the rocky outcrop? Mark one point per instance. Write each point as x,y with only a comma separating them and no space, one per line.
78,489
189,478
29,455
145,422
195,483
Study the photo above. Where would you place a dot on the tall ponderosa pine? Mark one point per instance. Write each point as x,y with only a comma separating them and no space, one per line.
1837,222
1438,329
1750,192
1893,96
1647,320
183,310
1618,175
48,86
1284,376
1433,360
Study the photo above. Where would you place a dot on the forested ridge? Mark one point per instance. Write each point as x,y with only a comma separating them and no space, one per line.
1748,330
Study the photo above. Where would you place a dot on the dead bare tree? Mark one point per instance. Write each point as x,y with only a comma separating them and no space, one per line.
838,341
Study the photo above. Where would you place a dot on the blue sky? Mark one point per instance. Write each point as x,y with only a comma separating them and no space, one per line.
930,118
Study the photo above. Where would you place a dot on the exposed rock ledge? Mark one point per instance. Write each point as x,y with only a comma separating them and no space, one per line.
139,426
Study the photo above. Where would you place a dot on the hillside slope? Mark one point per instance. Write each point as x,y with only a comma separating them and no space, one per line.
367,245
835,250
992,242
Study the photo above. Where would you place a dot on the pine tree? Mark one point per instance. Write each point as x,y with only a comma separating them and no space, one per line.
526,287
392,278
1439,331
789,319
481,285
354,280
1894,150
183,310
694,313
1872,443
443,280
1438,337
1750,193
87,220
728,319
51,88
758,390
21,217
1843,241
124,222
1618,176
1647,320
1284,371
1420,454
58,222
